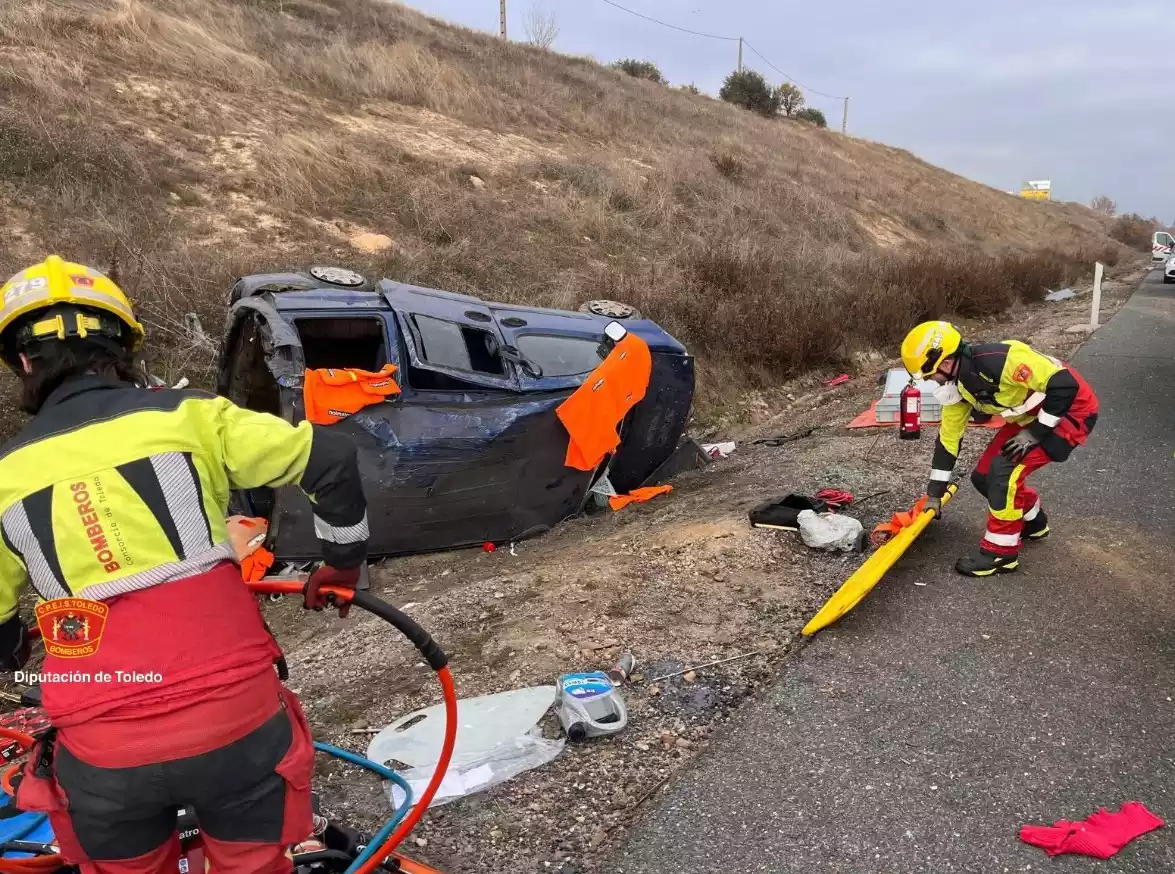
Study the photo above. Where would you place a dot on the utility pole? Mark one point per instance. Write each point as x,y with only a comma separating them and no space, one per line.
844,124
502,4
740,52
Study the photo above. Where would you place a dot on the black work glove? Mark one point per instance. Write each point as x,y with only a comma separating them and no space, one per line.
14,644
313,599
935,490
1020,445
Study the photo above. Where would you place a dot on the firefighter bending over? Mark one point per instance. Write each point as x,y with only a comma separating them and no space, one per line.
118,494
1049,410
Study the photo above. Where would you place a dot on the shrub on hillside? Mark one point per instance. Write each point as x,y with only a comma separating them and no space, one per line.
789,98
812,115
691,88
750,90
1133,230
640,70
792,308
728,165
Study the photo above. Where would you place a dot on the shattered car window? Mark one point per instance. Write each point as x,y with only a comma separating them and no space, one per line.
561,356
448,344
342,342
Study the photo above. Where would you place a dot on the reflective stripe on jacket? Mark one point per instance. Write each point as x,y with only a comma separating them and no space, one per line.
113,488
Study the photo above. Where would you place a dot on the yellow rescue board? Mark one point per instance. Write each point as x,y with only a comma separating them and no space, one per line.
870,573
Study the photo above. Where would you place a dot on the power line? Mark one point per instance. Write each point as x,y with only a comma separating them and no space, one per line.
786,76
673,26
724,39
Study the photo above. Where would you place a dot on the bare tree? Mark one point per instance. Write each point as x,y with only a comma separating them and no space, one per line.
1104,205
541,25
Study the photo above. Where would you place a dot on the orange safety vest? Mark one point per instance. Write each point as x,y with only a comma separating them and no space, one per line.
333,393
593,414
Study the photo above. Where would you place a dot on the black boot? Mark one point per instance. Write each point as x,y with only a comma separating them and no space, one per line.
1038,528
984,564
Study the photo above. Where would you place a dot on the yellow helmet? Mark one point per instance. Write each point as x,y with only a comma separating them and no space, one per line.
82,301
928,345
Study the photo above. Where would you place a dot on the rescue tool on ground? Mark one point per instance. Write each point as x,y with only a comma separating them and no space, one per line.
1048,410
893,539
114,496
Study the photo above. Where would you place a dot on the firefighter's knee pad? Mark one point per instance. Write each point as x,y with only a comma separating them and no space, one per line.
979,480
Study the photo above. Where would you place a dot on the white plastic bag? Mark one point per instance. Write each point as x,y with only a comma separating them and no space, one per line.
476,773
831,532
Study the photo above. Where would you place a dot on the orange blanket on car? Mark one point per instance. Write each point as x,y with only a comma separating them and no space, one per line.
593,414
333,393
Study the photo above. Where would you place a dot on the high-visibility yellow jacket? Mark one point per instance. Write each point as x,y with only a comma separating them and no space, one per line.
1013,381
113,488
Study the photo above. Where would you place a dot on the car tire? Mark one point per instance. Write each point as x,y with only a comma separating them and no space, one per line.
611,309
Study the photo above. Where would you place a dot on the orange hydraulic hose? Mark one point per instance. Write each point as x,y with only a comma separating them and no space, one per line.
411,866
448,690
25,740
410,821
32,865
6,780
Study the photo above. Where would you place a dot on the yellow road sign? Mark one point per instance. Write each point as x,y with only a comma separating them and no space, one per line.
1033,194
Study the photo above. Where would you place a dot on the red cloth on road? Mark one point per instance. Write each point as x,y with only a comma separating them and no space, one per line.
1101,835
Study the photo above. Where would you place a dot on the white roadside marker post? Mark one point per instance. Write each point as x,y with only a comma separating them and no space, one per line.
1098,272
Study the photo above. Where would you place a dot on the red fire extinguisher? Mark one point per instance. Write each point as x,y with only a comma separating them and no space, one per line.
910,415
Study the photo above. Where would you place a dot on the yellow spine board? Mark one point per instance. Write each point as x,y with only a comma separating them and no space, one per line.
868,575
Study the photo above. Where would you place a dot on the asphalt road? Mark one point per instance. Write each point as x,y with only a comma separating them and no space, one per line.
924,729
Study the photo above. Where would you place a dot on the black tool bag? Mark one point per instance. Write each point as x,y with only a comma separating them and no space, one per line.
784,513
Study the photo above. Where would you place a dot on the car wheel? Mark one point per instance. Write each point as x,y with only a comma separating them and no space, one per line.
337,276
610,308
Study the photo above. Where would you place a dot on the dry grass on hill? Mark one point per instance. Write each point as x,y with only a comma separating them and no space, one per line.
197,139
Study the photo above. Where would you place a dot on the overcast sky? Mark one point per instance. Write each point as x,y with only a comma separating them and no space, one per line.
1081,92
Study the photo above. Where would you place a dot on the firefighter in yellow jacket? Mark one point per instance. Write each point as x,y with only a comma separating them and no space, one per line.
1048,410
116,493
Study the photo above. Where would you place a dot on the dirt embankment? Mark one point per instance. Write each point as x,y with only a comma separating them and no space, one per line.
192,140
681,582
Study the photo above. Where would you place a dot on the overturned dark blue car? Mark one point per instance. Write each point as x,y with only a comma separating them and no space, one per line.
470,450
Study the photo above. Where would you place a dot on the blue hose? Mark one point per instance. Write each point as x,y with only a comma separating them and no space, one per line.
387,774
23,832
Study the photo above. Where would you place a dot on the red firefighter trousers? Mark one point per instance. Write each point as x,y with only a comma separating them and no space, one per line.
1011,500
